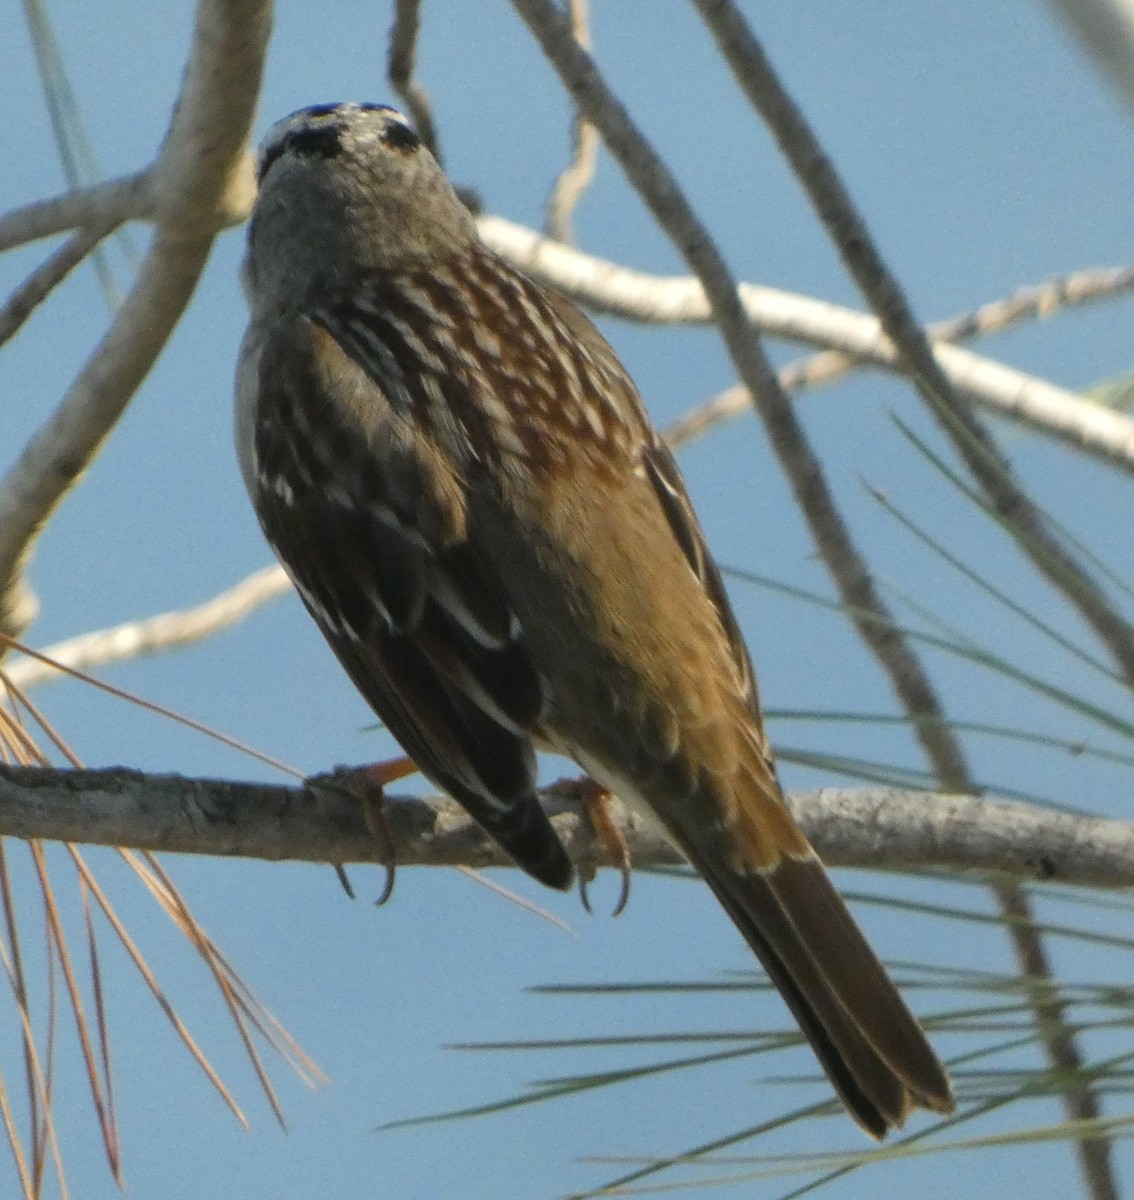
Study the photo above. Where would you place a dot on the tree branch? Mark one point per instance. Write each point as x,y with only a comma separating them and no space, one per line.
1106,28
401,61
1020,515
1048,409
119,200
151,635
324,822
200,176
40,283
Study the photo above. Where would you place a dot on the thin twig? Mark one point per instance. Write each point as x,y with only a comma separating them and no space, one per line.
151,635
1070,417
39,285
128,198
578,174
400,66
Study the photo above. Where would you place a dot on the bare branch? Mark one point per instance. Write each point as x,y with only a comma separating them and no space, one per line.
39,285
1047,409
607,287
1106,28
115,200
1038,300
164,631
578,174
400,65
324,822
201,176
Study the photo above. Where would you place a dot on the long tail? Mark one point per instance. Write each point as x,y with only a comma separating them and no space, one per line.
867,1040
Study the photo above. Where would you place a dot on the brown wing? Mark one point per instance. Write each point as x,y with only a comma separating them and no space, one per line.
369,520
663,473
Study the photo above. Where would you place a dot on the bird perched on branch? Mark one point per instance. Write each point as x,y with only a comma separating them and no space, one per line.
462,481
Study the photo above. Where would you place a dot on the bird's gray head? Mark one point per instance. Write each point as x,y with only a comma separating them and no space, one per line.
346,190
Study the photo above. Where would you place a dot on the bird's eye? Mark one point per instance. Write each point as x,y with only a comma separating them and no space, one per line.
400,137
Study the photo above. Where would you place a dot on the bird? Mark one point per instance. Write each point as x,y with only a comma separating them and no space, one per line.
463,483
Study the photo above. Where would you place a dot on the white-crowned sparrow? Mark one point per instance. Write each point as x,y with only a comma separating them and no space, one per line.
464,485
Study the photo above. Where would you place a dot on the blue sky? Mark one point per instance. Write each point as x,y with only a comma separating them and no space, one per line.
986,155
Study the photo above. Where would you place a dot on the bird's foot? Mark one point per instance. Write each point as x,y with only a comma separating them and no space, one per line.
596,801
375,779
370,783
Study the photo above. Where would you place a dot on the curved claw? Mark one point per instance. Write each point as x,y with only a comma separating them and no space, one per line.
370,781
596,800
624,895
388,886
344,879
584,898
375,779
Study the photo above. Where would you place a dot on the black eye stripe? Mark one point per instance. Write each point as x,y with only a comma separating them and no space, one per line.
400,137
323,138
320,141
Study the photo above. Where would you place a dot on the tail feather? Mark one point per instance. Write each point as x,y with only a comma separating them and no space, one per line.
858,979
865,1038
527,835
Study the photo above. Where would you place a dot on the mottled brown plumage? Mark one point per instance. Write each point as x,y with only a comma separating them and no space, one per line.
464,484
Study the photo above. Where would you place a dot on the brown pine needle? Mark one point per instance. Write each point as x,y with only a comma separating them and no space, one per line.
100,1008
155,989
18,744
174,906
58,939
44,724
48,1128
14,967
18,982
265,1021
238,1017
41,1083
272,1029
14,1143
168,897
241,1001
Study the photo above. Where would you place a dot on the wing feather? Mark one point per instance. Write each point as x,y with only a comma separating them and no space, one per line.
373,529
663,474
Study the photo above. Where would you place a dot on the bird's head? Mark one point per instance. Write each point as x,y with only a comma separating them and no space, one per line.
349,189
